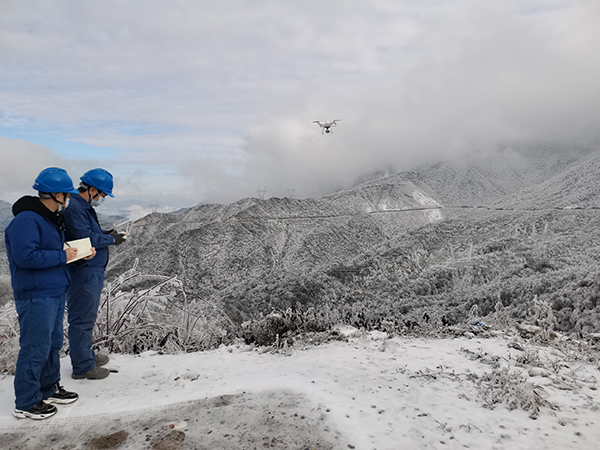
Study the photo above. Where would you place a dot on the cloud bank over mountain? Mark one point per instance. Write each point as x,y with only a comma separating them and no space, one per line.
208,101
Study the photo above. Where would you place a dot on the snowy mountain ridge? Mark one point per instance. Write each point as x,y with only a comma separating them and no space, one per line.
578,185
405,243
500,177
252,238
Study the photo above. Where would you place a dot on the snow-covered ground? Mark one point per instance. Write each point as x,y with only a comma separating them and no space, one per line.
371,392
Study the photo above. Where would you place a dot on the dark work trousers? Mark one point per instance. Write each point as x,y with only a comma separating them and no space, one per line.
38,364
83,301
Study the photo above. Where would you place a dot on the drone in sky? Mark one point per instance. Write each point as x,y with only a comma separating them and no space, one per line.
326,126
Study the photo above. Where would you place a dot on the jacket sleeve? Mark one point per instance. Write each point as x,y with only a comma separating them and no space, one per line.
79,226
25,249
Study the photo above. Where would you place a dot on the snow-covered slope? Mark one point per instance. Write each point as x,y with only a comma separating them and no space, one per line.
389,242
495,177
577,186
218,245
372,392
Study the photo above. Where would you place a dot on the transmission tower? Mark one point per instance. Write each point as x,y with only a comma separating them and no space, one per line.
261,192
154,207
291,193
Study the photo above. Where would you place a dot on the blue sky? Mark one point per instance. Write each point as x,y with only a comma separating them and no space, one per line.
187,101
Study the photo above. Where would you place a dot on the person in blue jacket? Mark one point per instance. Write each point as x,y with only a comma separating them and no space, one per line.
40,277
87,277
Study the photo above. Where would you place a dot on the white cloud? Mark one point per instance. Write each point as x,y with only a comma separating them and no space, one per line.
224,93
22,161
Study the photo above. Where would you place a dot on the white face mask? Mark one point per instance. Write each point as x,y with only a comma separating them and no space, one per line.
98,202
97,199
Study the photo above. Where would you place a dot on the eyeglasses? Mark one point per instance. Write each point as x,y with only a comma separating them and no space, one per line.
100,193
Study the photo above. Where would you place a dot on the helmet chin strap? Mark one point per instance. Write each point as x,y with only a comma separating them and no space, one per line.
94,197
59,202
62,205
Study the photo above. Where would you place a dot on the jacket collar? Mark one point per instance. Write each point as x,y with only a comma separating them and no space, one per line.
78,198
31,203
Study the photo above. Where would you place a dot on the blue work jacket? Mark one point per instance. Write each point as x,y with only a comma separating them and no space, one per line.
81,221
34,246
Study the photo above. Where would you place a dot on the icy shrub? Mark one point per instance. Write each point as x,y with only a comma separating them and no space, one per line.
283,325
543,317
6,294
501,318
503,386
537,263
9,338
142,312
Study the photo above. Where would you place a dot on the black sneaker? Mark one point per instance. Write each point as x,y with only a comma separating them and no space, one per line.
61,396
38,412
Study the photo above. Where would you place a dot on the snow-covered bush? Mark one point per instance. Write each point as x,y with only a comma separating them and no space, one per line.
140,312
284,325
543,317
503,386
6,294
9,338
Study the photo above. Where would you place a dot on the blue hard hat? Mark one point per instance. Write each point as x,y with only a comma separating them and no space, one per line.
54,179
100,179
